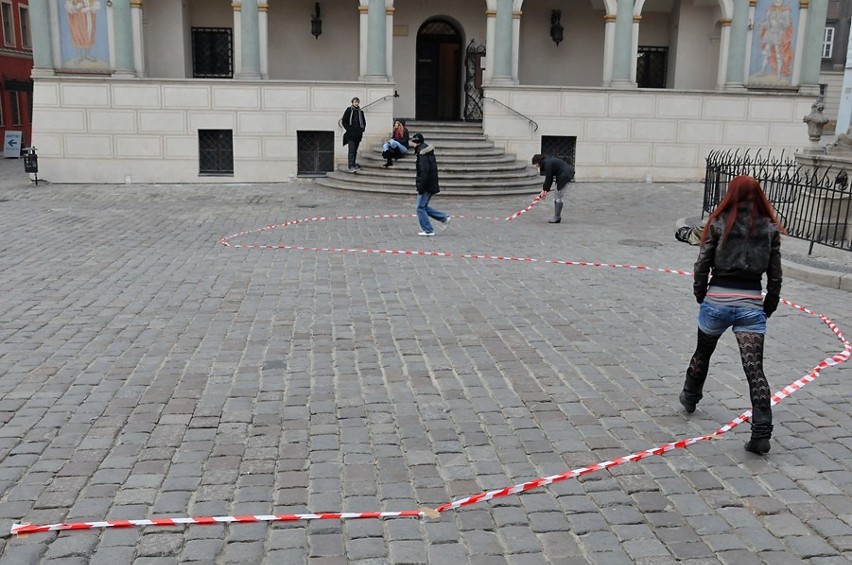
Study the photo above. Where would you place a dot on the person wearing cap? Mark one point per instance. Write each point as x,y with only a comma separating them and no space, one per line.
354,123
426,182
550,168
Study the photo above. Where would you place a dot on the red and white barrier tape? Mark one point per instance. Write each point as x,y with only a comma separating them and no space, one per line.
525,210
841,357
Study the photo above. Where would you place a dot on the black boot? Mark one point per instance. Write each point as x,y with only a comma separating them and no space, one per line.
557,213
761,431
696,373
692,391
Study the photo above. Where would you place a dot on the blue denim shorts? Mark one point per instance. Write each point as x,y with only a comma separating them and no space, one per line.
714,319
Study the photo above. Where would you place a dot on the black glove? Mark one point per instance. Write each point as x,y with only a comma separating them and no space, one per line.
699,298
770,304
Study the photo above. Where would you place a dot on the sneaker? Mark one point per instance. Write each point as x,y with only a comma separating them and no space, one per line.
352,169
446,223
427,233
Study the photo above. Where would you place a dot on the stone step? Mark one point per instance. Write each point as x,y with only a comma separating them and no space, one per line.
469,164
340,180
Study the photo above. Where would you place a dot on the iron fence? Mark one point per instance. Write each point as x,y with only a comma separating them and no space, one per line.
812,204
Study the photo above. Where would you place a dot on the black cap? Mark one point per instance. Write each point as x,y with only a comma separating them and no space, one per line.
417,138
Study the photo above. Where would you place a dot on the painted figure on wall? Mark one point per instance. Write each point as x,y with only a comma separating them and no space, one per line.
773,47
83,31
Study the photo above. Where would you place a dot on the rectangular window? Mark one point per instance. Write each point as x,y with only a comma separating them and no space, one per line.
215,152
316,152
828,43
26,36
212,53
15,107
8,24
651,67
561,146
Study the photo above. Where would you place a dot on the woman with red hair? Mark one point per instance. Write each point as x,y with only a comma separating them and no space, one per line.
740,243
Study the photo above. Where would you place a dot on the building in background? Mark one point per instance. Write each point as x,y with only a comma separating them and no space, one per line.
253,90
16,63
837,25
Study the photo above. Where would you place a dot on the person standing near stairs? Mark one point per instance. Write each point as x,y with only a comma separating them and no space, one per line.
426,182
354,123
741,241
554,168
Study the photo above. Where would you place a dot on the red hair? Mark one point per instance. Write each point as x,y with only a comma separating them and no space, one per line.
742,189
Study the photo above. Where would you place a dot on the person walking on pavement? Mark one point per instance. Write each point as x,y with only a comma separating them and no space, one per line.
740,242
426,182
550,168
354,123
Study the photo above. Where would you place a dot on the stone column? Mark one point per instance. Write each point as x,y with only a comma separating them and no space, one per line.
42,47
376,16
490,38
136,22
609,45
812,48
503,43
635,46
249,41
238,35
623,45
122,20
389,10
263,38
800,43
363,34
735,73
516,41
724,47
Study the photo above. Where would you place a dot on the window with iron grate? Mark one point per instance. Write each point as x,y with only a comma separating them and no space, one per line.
212,53
316,152
562,146
651,67
215,152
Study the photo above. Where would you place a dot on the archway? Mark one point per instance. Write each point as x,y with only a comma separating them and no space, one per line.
438,79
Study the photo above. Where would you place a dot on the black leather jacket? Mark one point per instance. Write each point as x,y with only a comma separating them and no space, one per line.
741,259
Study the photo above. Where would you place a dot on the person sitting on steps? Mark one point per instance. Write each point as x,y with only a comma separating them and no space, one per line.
397,146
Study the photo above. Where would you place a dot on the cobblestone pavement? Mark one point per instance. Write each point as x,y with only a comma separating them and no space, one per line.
148,371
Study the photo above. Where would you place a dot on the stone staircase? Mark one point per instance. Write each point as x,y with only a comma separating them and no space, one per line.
468,165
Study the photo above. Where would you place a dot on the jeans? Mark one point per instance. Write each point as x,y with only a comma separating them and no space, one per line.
353,152
394,144
714,319
424,212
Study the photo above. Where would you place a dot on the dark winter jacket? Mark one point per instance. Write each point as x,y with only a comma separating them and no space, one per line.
354,122
741,259
553,167
427,169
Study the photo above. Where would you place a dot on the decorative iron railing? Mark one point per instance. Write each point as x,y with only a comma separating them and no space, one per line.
812,204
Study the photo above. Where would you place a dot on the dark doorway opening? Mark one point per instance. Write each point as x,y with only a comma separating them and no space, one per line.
439,54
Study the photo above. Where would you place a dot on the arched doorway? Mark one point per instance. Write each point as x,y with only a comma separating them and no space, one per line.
438,90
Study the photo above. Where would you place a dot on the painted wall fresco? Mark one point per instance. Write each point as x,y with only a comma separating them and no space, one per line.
776,24
83,35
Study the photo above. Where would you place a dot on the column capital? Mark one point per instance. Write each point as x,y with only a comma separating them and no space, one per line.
803,4
609,18
389,11
490,13
263,7
236,6
637,19
725,22
363,9
136,4
517,14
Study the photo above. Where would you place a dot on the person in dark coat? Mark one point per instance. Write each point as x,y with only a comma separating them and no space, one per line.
397,145
354,123
741,242
426,182
554,168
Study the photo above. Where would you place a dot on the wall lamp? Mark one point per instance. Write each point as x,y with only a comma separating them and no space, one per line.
557,32
316,22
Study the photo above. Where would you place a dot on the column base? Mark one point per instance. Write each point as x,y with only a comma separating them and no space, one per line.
734,86
503,81
247,75
38,72
623,84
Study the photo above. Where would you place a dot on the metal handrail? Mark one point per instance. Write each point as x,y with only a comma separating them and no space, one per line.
530,120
